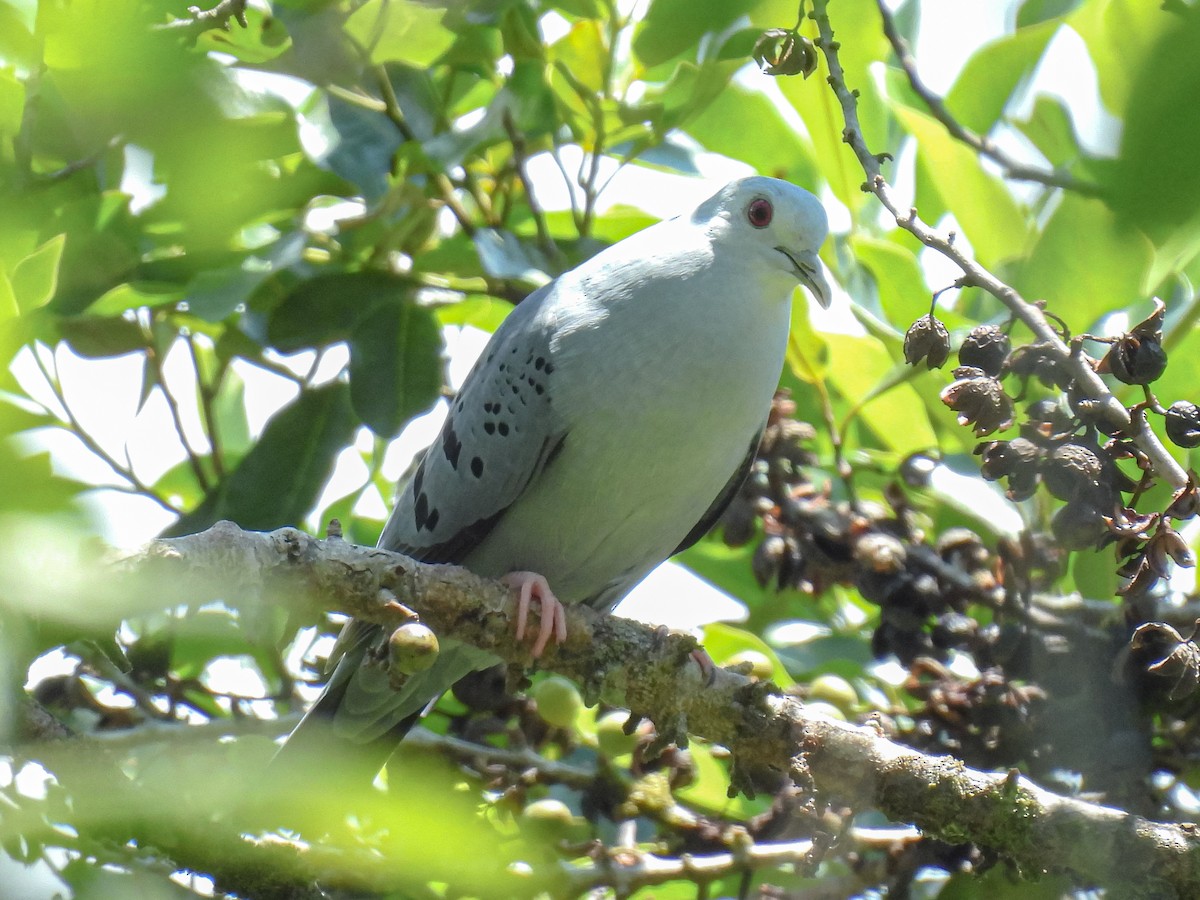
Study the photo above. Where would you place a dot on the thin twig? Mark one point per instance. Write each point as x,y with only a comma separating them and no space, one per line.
982,144
203,19
207,395
445,187
134,484
193,455
545,241
975,274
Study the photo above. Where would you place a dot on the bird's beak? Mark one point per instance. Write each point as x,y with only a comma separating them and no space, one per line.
808,270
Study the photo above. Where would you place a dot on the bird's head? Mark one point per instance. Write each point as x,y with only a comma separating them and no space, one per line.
765,221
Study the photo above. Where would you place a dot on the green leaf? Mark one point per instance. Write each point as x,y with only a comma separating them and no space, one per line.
8,301
1052,131
986,211
671,27
35,278
12,104
582,50
477,310
903,294
1033,12
861,367
807,352
723,642
229,409
326,309
1085,262
125,297
1121,37
1155,183
280,479
400,30
264,39
395,365
101,337
993,72
746,125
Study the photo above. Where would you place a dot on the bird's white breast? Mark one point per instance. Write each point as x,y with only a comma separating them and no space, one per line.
656,423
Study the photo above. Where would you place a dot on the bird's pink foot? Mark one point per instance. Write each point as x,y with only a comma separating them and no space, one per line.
530,587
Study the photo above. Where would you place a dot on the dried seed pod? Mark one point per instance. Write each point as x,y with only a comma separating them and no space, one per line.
1183,424
1042,361
783,52
1070,470
927,339
768,558
985,347
952,630
880,552
1078,525
979,400
1047,421
1136,359
1001,458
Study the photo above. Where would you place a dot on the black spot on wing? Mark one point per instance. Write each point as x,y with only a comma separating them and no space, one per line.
477,467
421,511
455,547
451,445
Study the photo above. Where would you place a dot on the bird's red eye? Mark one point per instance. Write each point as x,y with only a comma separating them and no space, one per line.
759,212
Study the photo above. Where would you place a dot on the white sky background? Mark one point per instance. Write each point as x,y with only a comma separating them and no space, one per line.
103,393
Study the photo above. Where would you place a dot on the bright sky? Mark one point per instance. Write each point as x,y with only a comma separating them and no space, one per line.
103,393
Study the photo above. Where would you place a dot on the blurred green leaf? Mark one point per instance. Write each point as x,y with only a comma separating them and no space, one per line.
670,27
993,72
326,309
280,479
395,365
1155,184
1086,262
723,641
126,297
99,337
400,30
991,220
1052,131
903,293
1032,12
860,367
1120,36
35,278
264,39
746,125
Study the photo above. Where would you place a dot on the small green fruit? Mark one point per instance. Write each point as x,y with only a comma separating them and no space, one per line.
558,701
611,736
752,663
835,690
412,648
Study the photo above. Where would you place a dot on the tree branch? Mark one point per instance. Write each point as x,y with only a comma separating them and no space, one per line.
974,274
981,144
768,733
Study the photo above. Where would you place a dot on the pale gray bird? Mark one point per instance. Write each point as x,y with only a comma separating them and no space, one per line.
609,421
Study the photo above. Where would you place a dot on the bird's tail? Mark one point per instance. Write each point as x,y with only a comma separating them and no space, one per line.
360,718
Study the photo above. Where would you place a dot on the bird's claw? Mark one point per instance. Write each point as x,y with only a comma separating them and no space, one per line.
532,586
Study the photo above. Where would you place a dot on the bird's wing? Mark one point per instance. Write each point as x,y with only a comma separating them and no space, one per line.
723,499
500,434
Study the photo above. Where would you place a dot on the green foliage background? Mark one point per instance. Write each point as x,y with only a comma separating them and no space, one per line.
422,115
